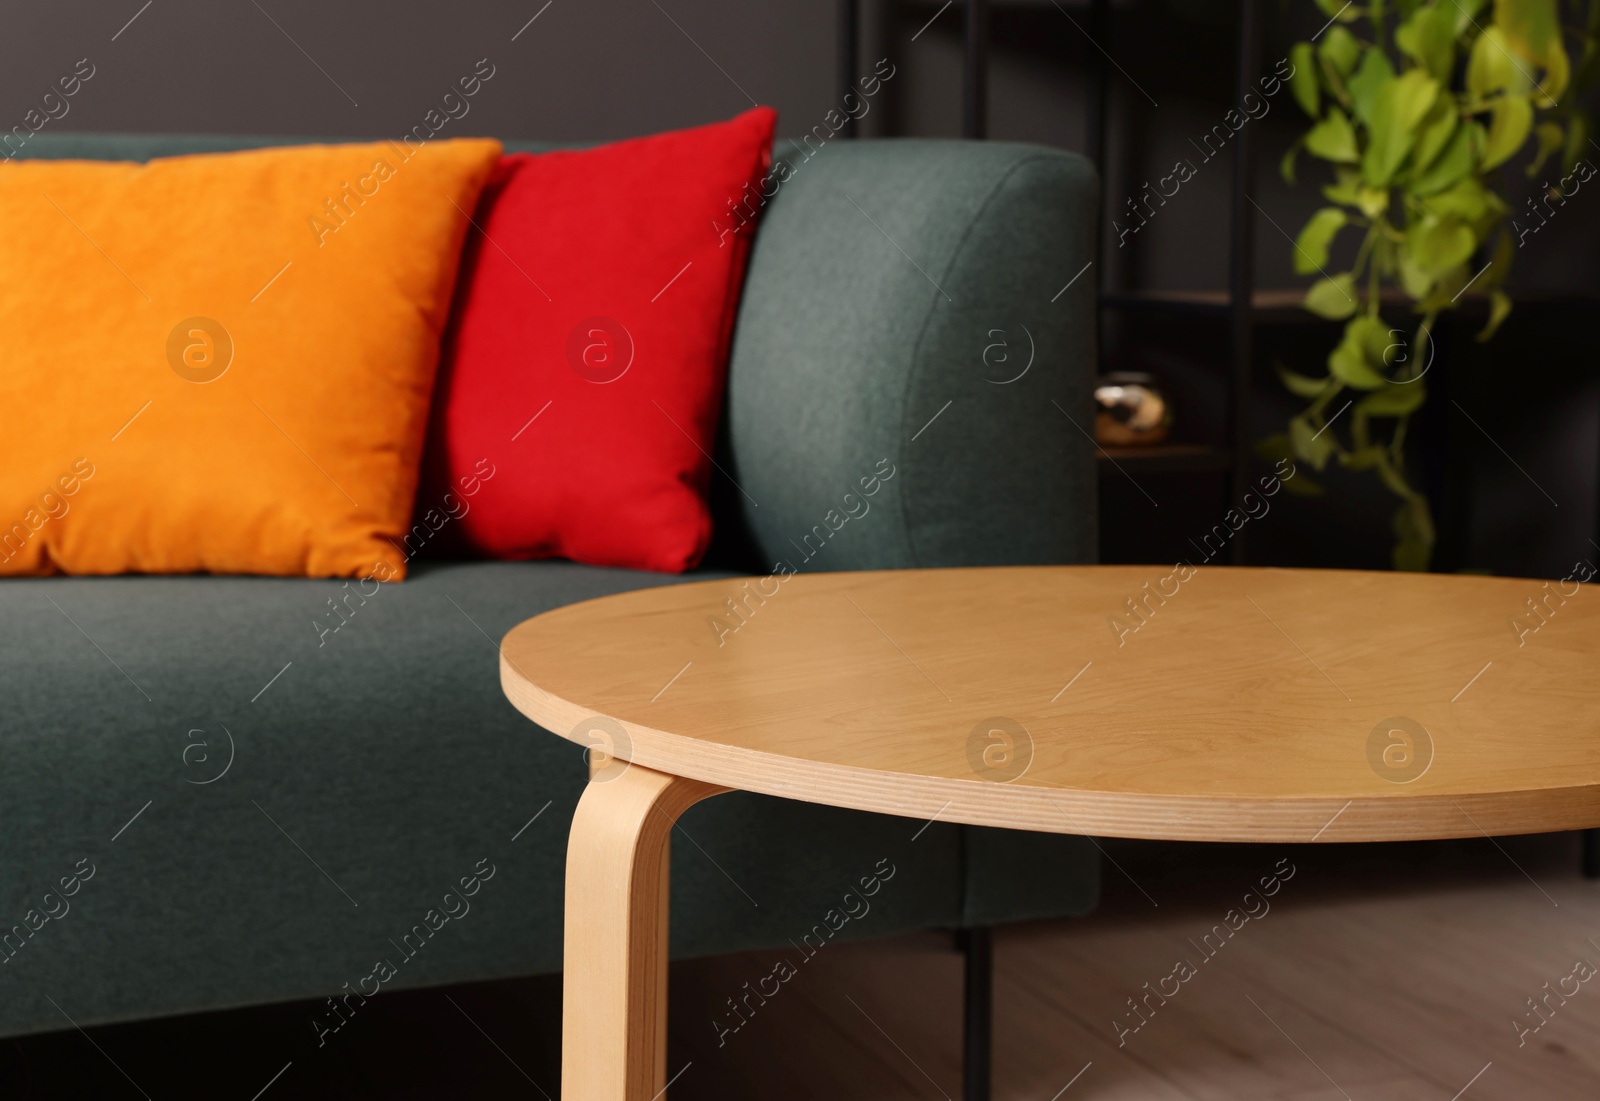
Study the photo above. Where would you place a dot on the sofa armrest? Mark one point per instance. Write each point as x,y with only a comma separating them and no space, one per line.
906,360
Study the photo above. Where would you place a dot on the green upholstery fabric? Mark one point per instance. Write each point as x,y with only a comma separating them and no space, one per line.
882,273
389,755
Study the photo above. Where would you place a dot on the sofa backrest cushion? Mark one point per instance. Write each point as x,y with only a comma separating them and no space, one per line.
925,308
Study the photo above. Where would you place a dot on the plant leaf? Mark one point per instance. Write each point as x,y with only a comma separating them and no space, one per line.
1530,25
1301,485
1490,66
1274,447
1496,276
1451,166
1429,39
1494,212
1278,446
1413,279
1286,165
1438,244
1435,130
1309,445
1550,139
1414,534
1373,201
1333,139
1348,367
1362,458
1396,110
1394,400
1509,123
1303,84
1311,247
1352,361
1337,9
1345,187
1301,386
1376,340
1499,310
1374,74
1557,74
1578,128
1468,200
1341,50
1448,289
1333,298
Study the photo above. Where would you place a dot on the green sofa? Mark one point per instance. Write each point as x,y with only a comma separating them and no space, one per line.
203,807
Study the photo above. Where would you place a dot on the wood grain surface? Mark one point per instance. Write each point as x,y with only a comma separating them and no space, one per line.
1213,704
614,999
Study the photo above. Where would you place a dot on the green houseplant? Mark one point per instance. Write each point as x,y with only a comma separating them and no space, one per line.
1416,108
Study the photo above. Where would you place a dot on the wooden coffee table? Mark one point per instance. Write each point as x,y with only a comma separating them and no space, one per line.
1218,705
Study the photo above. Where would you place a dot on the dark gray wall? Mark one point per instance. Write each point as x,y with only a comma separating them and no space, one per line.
584,69
600,69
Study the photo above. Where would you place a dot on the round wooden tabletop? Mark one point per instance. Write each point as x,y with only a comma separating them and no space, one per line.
1215,704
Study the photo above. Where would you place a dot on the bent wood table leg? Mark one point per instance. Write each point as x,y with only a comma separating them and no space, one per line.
614,991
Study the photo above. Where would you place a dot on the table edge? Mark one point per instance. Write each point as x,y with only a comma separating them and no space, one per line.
1396,816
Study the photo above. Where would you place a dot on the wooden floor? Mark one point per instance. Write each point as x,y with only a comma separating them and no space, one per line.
1378,973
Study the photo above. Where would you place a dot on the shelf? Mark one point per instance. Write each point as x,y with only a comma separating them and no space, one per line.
1166,457
1209,303
1283,306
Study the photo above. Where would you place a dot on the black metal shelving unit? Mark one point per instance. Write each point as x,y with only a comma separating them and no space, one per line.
1241,307
974,62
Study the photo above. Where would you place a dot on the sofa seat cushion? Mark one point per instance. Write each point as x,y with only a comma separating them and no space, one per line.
258,808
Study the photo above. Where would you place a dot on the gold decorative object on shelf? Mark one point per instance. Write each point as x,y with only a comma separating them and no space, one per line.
1132,410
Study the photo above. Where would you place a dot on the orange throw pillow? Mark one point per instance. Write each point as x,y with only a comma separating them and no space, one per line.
223,362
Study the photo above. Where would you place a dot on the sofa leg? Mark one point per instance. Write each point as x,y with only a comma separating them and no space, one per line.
1591,854
978,1014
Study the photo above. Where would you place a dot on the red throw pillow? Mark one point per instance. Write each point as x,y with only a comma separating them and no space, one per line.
584,370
